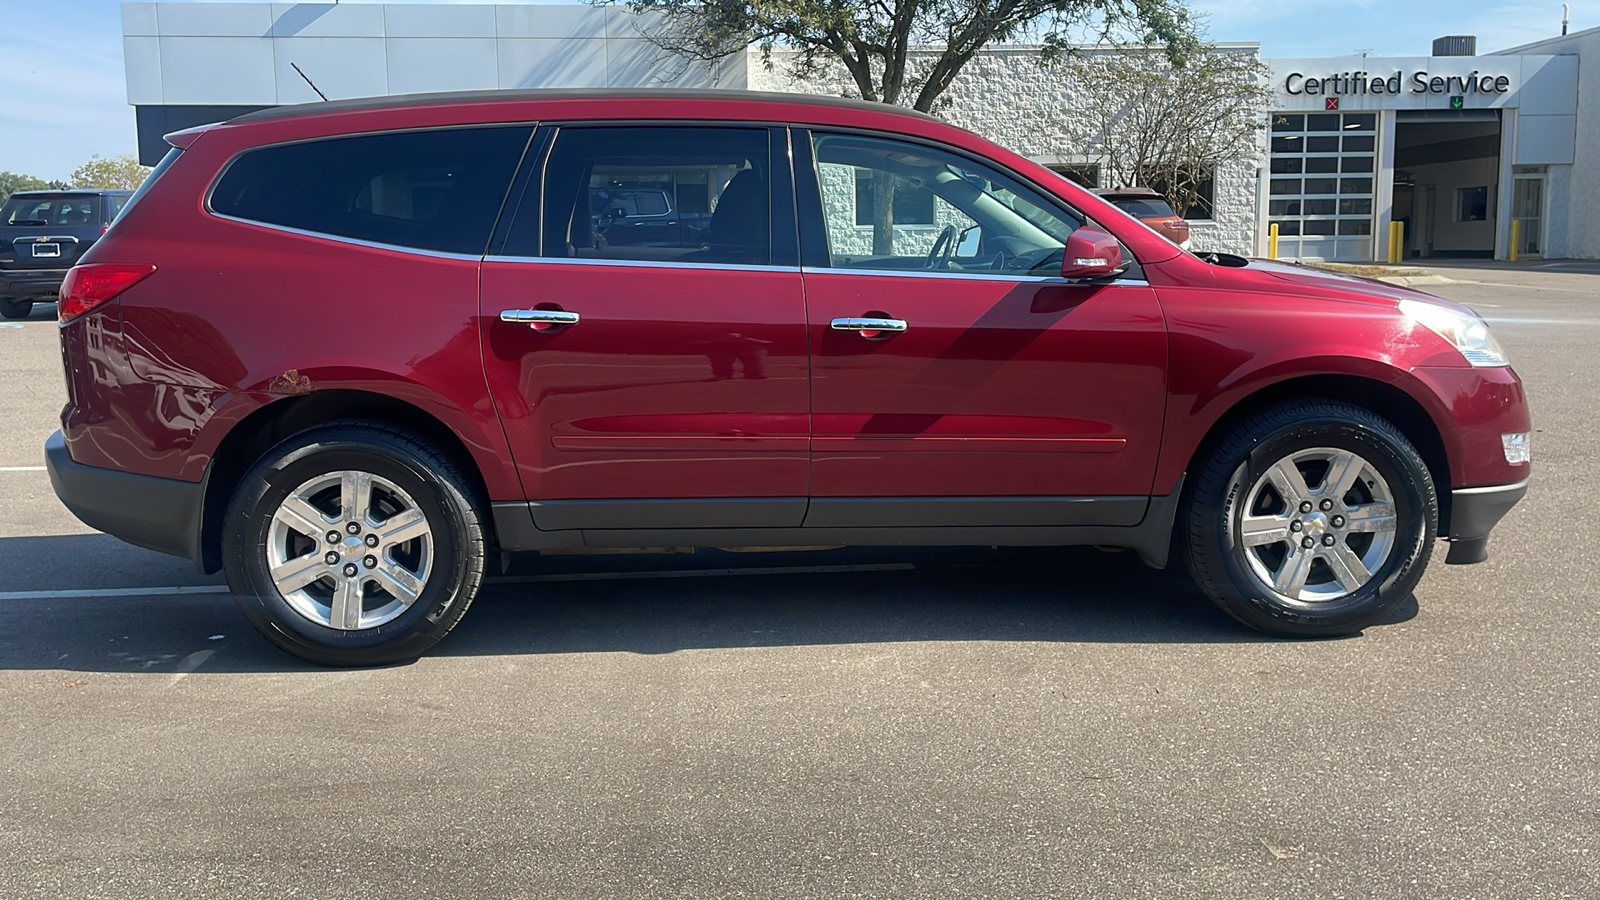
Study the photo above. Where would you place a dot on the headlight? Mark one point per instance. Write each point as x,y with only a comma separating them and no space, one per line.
1468,333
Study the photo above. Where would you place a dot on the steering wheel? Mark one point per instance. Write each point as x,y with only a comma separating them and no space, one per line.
944,247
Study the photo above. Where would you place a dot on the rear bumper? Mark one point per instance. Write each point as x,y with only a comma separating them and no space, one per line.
1473,514
155,513
30,282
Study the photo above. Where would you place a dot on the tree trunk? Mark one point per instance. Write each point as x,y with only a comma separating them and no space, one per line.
882,214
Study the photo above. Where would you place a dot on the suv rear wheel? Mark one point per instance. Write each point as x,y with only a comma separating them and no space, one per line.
353,544
1311,519
15,309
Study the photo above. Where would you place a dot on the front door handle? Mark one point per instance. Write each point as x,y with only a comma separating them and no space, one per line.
873,325
539,319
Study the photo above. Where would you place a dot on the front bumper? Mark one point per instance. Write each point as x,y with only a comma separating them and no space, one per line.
31,282
1473,514
155,513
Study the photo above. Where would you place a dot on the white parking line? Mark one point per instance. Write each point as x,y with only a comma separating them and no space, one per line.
494,582
21,468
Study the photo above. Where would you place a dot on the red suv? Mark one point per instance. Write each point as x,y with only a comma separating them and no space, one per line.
1150,208
349,352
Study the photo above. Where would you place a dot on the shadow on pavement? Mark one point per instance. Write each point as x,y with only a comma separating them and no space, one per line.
1050,595
88,562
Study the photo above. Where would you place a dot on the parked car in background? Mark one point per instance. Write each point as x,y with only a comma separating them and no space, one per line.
42,234
351,352
1150,208
644,216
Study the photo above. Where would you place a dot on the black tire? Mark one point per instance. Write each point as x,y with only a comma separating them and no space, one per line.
441,492
15,309
1234,576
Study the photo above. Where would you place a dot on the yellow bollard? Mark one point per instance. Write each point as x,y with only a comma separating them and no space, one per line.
1272,241
1397,241
1516,238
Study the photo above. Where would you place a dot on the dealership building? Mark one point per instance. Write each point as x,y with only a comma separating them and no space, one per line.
1467,152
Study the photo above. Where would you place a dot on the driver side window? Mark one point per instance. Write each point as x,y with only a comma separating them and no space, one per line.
903,206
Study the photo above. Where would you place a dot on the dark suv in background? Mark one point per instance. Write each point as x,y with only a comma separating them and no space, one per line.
42,233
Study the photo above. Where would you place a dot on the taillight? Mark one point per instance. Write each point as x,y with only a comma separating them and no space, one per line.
90,285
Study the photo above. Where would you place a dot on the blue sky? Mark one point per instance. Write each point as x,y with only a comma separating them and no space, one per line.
62,97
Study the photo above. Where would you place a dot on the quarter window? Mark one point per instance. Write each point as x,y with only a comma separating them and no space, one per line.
431,190
692,195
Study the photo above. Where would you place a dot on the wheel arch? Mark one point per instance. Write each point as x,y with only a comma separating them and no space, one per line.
1381,398
261,430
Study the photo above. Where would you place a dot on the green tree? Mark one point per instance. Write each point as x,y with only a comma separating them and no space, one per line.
906,52
1150,125
11,182
122,172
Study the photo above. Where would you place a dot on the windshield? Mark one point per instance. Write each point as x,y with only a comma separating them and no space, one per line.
57,209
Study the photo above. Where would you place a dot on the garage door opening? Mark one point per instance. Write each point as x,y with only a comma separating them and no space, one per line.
1446,182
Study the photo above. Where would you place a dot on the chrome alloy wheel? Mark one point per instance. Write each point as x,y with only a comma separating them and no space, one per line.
1317,524
349,550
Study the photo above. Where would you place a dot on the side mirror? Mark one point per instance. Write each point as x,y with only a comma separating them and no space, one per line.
1091,253
967,244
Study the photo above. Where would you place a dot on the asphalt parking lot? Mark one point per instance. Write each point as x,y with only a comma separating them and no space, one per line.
983,724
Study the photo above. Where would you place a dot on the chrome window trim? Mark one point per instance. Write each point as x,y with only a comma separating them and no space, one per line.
973,276
641,264
356,242
738,267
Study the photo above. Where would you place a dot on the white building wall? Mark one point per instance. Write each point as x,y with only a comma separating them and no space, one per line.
1574,191
1005,95
243,54
1558,214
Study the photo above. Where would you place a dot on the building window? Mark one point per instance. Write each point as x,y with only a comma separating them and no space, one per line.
1472,204
913,205
1082,174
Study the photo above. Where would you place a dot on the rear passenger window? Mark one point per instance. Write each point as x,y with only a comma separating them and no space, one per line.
433,190
696,195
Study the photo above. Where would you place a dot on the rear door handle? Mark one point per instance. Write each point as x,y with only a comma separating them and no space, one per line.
868,324
539,319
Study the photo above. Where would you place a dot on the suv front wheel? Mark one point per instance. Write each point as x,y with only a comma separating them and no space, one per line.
1311,519
353,545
